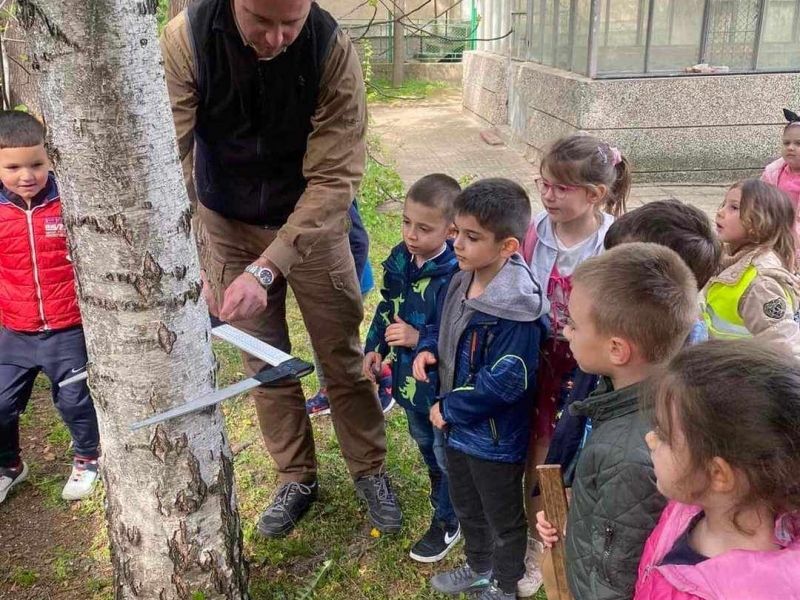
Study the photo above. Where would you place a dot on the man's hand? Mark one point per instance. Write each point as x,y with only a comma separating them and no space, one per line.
244,299
422,362
546,530
401,333
372,365
208,295
436,416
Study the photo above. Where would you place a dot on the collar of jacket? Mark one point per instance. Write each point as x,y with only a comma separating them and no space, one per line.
47,194
606,403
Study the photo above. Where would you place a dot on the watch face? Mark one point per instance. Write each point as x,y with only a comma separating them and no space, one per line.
265,275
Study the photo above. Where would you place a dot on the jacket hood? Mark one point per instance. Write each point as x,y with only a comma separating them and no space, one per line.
755,575
766,261
513,294
546,235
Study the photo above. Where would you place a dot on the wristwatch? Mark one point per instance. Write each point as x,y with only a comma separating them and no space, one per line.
263,275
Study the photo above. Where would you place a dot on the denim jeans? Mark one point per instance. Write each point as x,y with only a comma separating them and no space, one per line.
431,445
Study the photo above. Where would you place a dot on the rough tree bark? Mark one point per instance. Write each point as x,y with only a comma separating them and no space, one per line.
170,504
21,80
176,6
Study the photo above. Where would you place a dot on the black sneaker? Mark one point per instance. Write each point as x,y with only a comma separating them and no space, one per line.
436,543
384,510
291,502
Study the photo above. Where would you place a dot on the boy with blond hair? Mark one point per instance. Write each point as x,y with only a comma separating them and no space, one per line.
631,309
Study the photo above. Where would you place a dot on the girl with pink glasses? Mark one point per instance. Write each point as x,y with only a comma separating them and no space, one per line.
584,184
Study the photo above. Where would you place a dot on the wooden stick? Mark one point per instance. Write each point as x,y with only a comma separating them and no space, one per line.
554,496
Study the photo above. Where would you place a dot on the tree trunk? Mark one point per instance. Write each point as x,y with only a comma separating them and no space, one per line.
20,75
176,6
170,505
398,43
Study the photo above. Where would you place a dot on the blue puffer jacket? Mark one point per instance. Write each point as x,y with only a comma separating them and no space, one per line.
412,293
488,352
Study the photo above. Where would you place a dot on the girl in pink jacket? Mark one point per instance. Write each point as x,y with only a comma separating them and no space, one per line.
784,173
726,453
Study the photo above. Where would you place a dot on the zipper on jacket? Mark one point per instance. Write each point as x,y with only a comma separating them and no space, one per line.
31,239
607,543
493,427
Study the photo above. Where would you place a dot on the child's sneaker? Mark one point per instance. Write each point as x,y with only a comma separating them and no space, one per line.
532,580
436,543
385,389
10,478
495,593
82,480
318,404
459,580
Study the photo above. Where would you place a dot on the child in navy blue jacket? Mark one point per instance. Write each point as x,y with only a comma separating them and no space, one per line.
486,350
416,275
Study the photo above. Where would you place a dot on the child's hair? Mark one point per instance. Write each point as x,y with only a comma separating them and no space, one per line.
436,190
587,161
20,130
671,223
767,216
643,293
739,401
500,205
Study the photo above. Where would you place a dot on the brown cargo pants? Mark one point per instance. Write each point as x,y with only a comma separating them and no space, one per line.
327,291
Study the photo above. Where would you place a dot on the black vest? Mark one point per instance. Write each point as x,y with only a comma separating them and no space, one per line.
253,117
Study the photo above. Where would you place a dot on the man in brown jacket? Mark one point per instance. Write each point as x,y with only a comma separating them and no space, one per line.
269,109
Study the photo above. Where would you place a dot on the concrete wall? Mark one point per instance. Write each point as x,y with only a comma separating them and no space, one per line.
673,129
447,72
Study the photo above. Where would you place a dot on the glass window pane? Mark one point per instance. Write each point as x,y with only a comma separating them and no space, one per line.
537,30
780,37
731,36
580,48
677,26
621,39
519,27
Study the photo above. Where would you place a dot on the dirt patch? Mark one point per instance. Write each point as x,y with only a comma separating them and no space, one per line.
46,544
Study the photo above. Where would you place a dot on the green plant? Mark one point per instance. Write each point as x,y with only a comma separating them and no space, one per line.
24,577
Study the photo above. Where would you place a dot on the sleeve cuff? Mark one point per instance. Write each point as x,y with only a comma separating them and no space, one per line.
283,256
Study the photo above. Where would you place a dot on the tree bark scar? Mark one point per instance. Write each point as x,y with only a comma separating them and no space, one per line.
148,7
28,13
190,499
185,222
166,338
116,224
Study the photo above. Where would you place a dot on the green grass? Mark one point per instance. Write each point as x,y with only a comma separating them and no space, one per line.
24,577
381,91
333,554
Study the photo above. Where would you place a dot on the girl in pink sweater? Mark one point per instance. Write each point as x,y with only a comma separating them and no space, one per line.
785,171
726,453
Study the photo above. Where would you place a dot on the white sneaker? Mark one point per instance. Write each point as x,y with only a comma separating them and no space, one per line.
532,581
82,480
9,478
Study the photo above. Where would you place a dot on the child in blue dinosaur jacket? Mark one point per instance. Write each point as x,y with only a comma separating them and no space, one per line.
416,274
486,349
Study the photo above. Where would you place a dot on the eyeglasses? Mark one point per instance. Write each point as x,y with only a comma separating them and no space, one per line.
559,191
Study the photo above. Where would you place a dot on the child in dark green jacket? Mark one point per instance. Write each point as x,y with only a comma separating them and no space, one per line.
631,309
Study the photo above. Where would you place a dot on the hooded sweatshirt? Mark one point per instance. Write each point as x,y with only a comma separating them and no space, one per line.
488,350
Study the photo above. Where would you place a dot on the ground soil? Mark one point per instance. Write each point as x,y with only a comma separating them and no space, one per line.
45,542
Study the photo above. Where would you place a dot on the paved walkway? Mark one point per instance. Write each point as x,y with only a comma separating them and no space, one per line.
436,136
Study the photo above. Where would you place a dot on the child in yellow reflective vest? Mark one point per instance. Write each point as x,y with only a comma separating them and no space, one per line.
756,293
